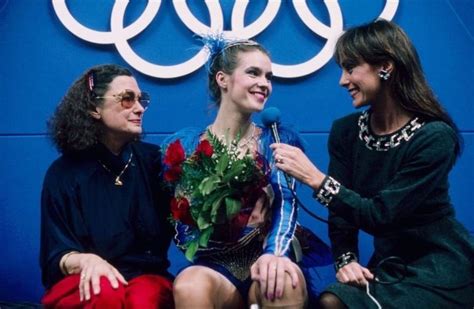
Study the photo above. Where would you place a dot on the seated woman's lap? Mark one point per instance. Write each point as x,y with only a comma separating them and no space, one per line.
201,285
149,291
208,284
145,290
292,297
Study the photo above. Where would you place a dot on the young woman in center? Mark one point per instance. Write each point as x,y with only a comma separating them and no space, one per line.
258,266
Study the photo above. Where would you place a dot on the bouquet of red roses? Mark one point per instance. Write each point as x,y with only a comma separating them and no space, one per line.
210,185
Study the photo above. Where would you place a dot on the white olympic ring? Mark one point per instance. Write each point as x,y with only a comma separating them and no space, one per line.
119,35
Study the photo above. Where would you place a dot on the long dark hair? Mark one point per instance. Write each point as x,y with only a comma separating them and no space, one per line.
382,41
224,57
71,127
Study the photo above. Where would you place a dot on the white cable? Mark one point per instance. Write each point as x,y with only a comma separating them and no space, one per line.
371,297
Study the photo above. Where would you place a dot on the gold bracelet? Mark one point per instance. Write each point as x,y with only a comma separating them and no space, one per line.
62,262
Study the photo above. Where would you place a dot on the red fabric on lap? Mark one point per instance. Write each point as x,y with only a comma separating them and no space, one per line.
149,291
146,291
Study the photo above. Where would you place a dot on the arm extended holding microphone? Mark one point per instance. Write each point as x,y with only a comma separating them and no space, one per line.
292,160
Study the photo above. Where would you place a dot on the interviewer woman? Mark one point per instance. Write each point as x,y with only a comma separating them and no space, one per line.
388,176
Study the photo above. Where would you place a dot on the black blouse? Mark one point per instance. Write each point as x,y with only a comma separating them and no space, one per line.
83,210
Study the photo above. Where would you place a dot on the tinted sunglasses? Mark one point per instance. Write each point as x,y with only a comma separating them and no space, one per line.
128,98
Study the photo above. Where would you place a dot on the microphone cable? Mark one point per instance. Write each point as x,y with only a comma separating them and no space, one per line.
388,259
271,119
298,201
385,282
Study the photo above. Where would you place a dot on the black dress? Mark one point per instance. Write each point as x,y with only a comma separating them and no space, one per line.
395,187
83,210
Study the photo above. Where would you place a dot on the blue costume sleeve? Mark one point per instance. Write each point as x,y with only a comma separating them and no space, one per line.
189,138
284,207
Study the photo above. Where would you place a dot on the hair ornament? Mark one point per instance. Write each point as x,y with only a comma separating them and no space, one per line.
216,44
91,78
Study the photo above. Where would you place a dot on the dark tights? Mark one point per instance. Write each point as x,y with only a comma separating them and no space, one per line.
330,301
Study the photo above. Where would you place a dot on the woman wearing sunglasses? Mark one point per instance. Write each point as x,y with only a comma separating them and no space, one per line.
104,234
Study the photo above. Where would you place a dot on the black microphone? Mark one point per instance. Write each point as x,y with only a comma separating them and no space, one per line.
271,119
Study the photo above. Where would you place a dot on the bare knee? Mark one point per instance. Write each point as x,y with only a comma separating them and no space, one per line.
202,287
330,301
190,283
298,293
292,297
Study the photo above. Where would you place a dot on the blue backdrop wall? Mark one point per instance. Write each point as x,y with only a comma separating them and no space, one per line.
41,58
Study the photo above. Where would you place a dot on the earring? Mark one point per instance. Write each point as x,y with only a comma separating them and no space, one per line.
384,74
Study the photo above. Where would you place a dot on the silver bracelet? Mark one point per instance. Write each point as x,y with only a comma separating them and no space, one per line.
329,188
344,259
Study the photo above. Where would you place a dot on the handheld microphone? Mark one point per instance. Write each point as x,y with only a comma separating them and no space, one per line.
271,119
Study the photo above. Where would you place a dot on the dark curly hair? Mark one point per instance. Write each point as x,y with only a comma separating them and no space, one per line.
71,127
226,60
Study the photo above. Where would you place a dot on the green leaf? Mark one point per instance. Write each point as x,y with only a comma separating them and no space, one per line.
213,197
206,206
215,205
204,237
209,184
195,212
218,213
191,250
235,170
232,207
203,221
222,164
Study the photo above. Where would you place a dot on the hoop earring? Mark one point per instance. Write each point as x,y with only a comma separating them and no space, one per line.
384,74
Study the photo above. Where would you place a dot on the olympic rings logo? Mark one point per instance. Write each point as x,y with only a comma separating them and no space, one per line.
119,35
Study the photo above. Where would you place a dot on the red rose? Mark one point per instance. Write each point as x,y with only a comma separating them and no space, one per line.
180,210
174,154
205,148
173,173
